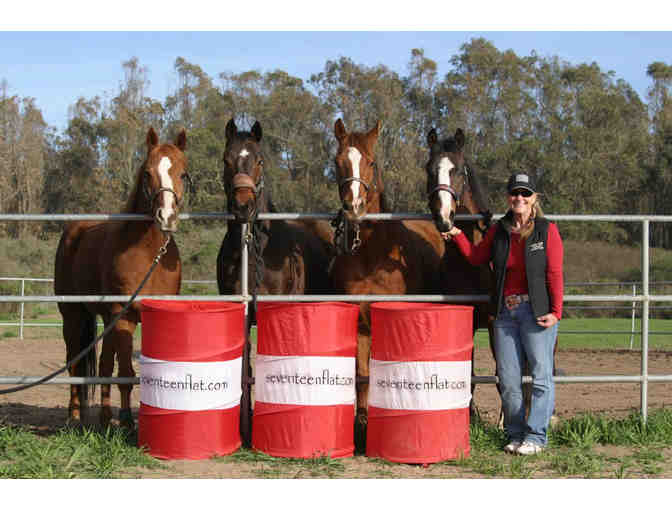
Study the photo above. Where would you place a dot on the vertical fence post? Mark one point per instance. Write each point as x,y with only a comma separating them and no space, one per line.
645,318
632,322
23,293
246,399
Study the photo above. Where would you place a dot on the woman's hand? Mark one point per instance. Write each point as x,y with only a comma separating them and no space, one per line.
447,236
548,320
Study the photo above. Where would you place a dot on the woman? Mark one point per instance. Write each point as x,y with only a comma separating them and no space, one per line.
526,252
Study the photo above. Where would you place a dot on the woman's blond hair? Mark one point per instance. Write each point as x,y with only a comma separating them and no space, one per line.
536,213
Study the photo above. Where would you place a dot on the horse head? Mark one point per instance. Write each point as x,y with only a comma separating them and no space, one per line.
243,170
160,185
356,172
446,177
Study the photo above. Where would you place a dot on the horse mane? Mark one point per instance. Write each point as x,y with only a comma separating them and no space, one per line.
131,204
480,197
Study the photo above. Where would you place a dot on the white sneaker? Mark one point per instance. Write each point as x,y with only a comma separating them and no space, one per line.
512,447
529,448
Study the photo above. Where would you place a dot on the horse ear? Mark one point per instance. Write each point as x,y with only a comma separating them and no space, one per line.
231,129
339,130
152,138
181,140
459,139
375,130
431,138
256,131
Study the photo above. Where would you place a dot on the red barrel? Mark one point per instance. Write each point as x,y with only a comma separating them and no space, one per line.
419,382
190,378
304,379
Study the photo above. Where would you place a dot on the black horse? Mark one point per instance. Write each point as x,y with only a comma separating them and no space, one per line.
285,257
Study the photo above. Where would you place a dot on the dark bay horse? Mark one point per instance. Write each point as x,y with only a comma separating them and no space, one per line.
453,187
381,257
96,258
285,257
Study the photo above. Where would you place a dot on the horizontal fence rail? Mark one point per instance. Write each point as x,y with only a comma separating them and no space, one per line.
645,298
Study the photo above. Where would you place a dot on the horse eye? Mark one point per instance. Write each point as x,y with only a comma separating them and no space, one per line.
261,162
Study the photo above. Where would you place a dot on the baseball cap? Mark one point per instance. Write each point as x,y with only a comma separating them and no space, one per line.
521,180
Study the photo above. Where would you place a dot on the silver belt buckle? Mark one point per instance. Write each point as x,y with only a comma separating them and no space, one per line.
512,301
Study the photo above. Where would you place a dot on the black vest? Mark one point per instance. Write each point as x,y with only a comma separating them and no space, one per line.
535,264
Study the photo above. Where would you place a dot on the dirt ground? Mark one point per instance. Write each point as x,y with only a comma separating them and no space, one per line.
44,408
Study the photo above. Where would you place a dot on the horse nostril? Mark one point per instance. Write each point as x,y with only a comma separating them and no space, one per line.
347,206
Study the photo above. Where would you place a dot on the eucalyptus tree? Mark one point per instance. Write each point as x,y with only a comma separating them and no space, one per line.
126,120
361,96
23,145
75,179
488,93
659,182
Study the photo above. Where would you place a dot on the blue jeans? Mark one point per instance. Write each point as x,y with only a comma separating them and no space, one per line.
518,337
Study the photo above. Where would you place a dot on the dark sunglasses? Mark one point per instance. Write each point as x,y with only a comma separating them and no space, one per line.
523,192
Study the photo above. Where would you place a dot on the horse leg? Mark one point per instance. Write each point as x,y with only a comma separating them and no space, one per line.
126,328
105,370
362,366
79,330
473,409
71,329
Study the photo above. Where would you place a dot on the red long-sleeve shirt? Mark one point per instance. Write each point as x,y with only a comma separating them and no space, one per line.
515,281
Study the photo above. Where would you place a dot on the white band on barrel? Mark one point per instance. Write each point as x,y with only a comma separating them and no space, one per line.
420,385
305,380
190,386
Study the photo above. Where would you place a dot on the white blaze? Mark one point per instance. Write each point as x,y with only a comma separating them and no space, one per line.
166,182
445,166
355,157
244,153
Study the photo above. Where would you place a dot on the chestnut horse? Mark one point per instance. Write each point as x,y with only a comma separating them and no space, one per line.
454,187
381,257
285,257
97,258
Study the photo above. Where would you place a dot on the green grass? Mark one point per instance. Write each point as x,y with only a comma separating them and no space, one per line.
569,340
266,466
70,453
578,448
572,450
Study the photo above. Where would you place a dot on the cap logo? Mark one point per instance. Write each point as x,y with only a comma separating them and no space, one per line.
522,178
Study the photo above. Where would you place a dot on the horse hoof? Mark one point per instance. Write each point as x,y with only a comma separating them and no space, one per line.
105,417
361,423
126,419
74,422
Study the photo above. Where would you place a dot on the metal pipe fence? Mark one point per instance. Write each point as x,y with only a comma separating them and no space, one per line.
645,298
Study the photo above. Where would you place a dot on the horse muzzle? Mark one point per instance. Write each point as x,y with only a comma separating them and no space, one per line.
354,210
244,203
166,221
443,222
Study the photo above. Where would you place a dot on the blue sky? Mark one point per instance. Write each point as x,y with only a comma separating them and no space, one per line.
56,65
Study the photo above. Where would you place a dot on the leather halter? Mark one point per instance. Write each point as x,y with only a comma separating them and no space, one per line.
348,180
244,181
151,197
449,189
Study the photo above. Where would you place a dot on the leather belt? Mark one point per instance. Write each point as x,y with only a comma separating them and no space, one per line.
512,301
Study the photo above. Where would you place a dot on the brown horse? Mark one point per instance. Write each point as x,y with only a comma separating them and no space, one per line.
285,257
96,258
381,257
454,188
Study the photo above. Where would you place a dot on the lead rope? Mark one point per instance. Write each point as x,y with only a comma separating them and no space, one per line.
162,251
339,224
